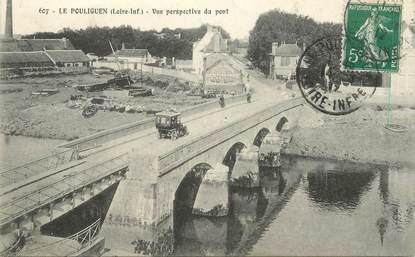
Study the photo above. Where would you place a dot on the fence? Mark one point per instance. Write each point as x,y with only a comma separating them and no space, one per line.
83,238
35,167
31,200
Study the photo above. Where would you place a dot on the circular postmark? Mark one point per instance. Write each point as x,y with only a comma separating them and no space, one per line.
326,86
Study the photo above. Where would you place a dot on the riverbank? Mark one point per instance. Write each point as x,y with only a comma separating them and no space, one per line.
358,137
58,117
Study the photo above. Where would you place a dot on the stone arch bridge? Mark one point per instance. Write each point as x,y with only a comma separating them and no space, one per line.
143,205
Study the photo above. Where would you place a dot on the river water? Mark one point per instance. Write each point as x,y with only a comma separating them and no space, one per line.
312,207
308,207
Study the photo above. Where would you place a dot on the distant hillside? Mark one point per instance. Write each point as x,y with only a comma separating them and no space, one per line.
95,39
277,26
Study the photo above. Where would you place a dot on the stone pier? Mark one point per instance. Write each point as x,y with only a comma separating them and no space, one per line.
212,197
246,171
269,152
131,222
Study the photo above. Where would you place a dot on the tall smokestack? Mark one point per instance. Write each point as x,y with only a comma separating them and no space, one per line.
9,20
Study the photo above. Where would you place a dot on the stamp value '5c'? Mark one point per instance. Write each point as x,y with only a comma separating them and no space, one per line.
372,37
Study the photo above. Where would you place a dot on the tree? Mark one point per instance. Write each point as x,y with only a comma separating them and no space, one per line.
278,26
96,39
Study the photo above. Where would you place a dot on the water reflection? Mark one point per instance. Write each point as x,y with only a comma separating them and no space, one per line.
397,193
311,207
251,210
338,188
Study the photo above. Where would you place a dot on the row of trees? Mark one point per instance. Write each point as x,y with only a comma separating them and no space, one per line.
95,39
278,26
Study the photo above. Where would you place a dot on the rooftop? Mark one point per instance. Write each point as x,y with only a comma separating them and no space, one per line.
24,57
288,50
68,55
29,45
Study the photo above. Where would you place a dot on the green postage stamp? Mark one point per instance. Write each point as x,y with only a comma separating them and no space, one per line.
372,37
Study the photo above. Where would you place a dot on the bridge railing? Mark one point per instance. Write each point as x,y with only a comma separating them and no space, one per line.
169,160
86,236
83,238
31,200
35,167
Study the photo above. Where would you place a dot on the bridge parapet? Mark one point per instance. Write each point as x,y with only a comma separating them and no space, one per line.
170,160
35,167
39,194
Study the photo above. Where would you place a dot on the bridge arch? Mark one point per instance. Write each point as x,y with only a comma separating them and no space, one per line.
259,138
281,123
186,192
230,157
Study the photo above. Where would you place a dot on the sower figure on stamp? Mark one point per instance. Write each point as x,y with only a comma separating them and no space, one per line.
370,31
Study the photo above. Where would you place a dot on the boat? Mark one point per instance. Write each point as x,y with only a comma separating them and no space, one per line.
140,91
123,81
89,111
102,71
45,92
92,87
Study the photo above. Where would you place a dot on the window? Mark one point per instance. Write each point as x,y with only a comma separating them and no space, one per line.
285,61
163,120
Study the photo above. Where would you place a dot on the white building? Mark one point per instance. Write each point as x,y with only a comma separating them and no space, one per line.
212,42
283,60
131,56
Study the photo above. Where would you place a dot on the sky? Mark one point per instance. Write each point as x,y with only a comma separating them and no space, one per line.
241,17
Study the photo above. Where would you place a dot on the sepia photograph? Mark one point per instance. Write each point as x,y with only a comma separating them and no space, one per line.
207,128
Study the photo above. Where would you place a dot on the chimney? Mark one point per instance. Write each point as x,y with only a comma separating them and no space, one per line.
65,43
9,20
122,46
204,75
274,47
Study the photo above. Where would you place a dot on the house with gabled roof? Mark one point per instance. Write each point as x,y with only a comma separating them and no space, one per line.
131,56
38,54
211,42
221,76
68,58
283,60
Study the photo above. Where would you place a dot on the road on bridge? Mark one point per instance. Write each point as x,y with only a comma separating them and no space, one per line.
147,142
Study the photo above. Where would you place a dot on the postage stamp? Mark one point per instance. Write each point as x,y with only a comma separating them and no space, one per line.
372,36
